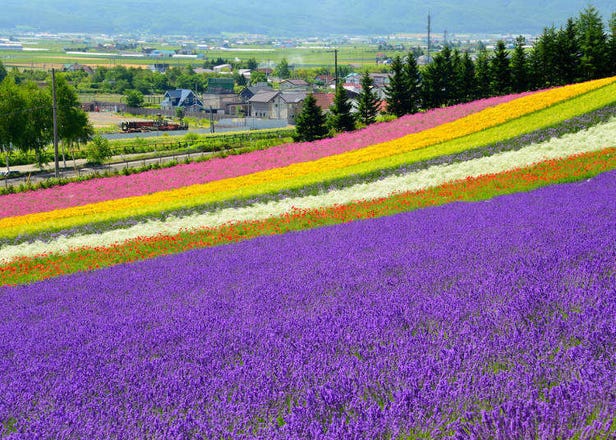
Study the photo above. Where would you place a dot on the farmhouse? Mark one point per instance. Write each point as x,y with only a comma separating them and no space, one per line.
265,105
250,91
184,98
294,84
76,67
277,105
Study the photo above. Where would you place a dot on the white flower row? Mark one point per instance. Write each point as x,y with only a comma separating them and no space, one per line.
594,139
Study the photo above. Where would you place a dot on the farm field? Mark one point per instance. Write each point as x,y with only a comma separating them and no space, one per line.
53,55
449,274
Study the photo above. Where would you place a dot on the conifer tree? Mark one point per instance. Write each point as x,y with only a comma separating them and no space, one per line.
340,117
612,44
412,78
544,60
519,66
439,79
568,53
593,45
500,74
482,74
367,102
396,91
310,122
467,81
456,92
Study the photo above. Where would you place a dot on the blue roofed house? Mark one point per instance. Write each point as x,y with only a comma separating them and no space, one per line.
181,98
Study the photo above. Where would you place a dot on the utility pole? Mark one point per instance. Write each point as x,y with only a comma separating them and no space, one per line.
429,37
55,122
336,67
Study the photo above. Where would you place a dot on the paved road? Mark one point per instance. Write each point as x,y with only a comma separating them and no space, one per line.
119,162
231,125
34,175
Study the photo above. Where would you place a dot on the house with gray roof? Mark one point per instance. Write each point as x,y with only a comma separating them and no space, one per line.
181,98
294,84
250,91
277,105
265,104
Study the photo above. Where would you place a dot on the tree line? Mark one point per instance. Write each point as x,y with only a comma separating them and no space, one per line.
581,50
26,117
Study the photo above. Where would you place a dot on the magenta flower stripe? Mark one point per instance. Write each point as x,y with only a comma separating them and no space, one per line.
98,190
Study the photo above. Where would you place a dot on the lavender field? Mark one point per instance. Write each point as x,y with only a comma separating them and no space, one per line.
494,319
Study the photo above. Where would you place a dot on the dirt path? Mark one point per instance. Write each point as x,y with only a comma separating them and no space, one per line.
105,119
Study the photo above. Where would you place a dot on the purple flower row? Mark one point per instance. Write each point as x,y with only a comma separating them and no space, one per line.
473,320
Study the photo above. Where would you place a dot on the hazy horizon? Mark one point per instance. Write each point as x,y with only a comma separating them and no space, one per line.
299,18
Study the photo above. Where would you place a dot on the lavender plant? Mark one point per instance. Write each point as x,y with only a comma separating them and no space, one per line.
471,320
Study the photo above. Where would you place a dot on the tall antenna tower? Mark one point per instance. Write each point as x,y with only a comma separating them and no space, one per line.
429,37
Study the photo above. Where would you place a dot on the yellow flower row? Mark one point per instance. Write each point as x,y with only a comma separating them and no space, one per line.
366,159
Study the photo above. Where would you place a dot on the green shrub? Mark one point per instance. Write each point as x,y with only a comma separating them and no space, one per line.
98,150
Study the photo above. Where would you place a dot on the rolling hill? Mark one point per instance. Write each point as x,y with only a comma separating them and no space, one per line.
276,18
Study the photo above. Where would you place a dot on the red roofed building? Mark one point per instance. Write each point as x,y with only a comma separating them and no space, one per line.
324,100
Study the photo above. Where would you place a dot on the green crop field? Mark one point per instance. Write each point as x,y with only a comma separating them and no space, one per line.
45,54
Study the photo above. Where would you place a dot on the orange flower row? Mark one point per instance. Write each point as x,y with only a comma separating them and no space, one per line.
29,269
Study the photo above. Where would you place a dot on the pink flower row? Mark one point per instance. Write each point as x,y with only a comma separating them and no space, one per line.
97,190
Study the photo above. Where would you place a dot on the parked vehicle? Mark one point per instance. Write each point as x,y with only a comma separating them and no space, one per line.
159,124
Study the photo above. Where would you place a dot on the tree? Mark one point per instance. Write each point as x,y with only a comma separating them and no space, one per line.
367,102
13,108
252,64
282,70
467,81
143,80
544,60
340,117
3,72
396,91
39,124
612,44
482,73
439,80
519,66
73,124
240,80
98,150
568,53
500,74
134,98
310,122
412,79
257,77
593,44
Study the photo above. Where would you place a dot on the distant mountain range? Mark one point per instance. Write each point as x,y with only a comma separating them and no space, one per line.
291,17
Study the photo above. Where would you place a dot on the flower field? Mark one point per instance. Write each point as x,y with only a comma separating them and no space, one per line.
447,275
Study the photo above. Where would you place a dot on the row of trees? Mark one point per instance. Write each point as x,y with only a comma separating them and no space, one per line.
579,51
312,123
26,117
